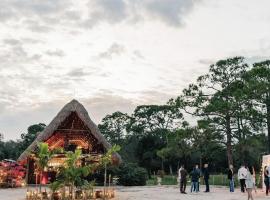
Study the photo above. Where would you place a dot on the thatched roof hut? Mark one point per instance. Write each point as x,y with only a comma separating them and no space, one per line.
72,108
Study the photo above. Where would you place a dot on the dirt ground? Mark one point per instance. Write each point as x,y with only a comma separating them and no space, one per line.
155,193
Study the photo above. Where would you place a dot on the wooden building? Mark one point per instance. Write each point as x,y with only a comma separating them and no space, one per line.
71,129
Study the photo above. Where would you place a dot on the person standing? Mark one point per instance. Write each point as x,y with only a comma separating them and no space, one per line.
199,174
179,175
183,179
230,178
249,183
242,175
266,180
254,178
268,168
194,180
206,178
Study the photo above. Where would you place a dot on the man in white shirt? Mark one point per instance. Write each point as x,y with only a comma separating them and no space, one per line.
179,173
242,175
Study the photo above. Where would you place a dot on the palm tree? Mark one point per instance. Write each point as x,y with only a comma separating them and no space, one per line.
43,156
72,174
105,161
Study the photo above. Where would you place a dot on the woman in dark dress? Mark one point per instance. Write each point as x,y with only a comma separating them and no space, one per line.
266,180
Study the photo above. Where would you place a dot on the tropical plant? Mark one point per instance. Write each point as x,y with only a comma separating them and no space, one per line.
71,173
55,186
107,159
88,187
43,156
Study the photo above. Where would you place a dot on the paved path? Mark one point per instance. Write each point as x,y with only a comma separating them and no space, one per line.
153,193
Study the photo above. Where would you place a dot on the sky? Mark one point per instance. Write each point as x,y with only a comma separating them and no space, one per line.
113,55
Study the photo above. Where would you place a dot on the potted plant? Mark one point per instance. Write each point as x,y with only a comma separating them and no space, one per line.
44,195
88,188
55,186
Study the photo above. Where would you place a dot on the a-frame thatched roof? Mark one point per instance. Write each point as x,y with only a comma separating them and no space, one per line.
73,106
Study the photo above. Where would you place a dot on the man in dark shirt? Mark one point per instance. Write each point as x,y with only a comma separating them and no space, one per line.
183,179
206,178
195,175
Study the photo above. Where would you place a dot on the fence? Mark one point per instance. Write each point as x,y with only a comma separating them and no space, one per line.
216,179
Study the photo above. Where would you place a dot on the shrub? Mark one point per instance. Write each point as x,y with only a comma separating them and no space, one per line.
131,175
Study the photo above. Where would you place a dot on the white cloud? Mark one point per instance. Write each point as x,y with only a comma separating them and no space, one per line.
115,54
41,16
114,49
57,52
172,12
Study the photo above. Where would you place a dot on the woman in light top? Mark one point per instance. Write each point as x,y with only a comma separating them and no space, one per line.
254,178
249,183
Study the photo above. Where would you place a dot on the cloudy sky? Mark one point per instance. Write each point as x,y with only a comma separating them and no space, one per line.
115,54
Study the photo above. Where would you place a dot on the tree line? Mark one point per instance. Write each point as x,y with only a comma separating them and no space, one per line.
222,118
229,122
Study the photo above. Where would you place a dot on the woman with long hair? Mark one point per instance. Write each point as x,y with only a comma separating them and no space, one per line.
249,183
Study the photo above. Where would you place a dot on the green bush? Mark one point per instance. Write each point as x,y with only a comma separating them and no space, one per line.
131,175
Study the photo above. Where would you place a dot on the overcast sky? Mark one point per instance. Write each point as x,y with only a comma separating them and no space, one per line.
115,54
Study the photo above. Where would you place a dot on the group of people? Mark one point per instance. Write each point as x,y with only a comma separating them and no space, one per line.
246,177
195,179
